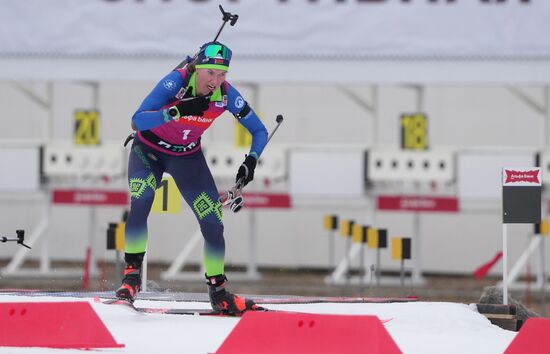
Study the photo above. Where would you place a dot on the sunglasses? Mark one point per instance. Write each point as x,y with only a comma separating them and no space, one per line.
217,51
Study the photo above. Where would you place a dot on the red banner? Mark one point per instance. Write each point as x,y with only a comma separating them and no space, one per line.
266,200
89,197
417,203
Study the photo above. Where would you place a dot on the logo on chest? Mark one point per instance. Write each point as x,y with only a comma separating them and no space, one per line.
176,148
197,121
203,121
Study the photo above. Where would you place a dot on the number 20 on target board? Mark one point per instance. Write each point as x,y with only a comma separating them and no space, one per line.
86,130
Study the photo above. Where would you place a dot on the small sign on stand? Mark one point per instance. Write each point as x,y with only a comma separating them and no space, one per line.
521,204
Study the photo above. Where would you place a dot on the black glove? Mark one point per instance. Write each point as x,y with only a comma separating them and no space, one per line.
246,170
190,106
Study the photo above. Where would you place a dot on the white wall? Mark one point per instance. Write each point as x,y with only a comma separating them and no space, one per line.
463,117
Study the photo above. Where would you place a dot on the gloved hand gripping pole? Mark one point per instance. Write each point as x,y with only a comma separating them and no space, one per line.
233,197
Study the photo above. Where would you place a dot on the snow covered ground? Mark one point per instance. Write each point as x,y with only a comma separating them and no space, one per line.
416,327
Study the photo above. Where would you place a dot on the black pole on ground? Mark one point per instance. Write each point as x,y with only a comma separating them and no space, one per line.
402,277
378,266
348,234
331,250
372,270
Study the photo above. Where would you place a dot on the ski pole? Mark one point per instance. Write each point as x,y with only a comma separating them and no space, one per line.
234,195
279,120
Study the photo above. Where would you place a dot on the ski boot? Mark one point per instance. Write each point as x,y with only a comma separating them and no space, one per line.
225,302
131,283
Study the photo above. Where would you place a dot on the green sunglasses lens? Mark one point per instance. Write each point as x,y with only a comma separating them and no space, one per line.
213,51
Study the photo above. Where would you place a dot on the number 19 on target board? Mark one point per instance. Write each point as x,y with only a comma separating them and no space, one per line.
414,131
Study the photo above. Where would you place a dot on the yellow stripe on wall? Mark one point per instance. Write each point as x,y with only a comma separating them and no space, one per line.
119,236
372,238
396,248
544,227
357,233
346,227
328,222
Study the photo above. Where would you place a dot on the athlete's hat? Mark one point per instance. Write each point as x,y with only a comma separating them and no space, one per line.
214,55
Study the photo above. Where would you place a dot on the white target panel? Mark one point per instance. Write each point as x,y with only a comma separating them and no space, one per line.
66,159
422,166
322,172
24,166
224,161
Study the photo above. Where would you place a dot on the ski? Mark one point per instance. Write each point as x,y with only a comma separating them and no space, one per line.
193,312
173,311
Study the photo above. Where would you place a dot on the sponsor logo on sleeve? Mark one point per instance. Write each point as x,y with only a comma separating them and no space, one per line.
222,103
181,93
169,85
239,102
